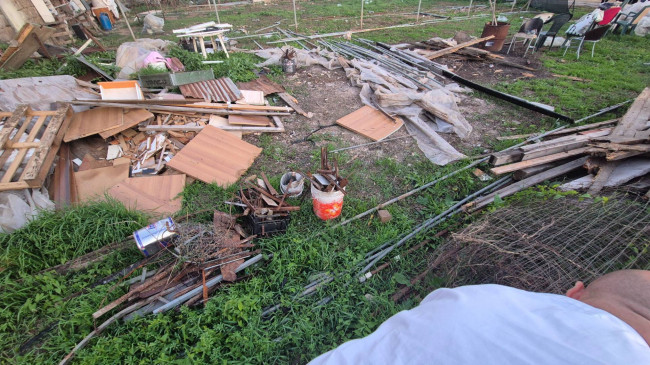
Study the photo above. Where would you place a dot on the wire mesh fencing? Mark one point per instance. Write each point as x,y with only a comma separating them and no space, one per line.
547,245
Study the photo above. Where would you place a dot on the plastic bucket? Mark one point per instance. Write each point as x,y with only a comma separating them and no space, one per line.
294,191
500,33
326,205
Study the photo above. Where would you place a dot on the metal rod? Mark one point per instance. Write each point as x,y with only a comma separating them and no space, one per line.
212,282
603,111
407,194
216,11
368,144
295,16
435,220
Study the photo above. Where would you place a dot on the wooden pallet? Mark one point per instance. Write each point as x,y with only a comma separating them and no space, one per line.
26,164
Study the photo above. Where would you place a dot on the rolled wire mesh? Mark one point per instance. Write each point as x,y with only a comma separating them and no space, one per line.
547,245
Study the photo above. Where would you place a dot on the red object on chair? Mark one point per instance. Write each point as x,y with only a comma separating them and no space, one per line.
609,15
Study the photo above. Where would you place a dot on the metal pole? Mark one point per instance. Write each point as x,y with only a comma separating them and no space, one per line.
407,194
216,11
295,17
470,7
362,1
417,18
212,282
119,5
437,219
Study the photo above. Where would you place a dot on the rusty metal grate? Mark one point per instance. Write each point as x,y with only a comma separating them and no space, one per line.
222,89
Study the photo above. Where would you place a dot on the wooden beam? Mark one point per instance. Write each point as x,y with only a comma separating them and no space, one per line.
601,178
537,161
563,131
453,49
293,102
525,183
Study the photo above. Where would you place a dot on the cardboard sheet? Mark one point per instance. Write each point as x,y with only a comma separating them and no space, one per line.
215,156
371,123
219,121
254,120
93,121
154,194
131,119
252,97
93,184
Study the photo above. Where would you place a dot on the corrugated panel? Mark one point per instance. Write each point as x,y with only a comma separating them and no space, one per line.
222,89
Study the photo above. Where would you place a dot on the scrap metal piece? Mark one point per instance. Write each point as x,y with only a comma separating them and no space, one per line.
222,89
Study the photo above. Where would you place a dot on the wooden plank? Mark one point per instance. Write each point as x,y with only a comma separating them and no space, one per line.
293,102
253,120
601,178
89,163
636,117
530,171
564,131
537,161
18,160
215,156
279,128
26,48
9,125
502,158
154,194
93,184
623,147
14,17
43,11
94,121
251,97
525,183
621,155
263,84
217,121
130,119
63,189
371,123
171,109
50,142
453,49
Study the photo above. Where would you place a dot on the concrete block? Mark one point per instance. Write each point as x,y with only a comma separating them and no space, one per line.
384,215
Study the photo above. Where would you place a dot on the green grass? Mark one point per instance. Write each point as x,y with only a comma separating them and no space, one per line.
229,329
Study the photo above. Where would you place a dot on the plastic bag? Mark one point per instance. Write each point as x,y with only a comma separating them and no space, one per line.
643,26
131,55
153,24
19,207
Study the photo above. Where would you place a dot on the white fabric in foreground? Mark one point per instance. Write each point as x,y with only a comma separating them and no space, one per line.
494,324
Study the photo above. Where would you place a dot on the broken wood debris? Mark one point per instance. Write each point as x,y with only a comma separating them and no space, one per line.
266,211
29,141
327,178
616,155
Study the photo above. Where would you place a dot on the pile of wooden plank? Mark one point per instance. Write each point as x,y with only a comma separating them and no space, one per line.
613,156
438,47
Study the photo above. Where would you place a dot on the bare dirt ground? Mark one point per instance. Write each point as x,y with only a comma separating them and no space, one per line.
329,95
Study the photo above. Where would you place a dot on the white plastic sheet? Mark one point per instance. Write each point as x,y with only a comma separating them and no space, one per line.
303,57
17,208
131,55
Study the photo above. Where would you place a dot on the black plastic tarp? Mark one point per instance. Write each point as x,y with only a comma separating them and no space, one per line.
553,6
